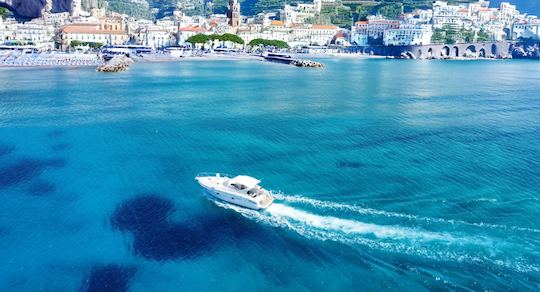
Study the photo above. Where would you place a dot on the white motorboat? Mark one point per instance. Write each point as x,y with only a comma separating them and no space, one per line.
240,190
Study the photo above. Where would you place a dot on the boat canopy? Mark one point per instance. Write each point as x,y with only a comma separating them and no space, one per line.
247,181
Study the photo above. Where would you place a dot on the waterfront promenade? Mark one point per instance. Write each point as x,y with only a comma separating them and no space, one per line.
52,59
457,51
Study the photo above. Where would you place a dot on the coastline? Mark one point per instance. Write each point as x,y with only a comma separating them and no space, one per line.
158,58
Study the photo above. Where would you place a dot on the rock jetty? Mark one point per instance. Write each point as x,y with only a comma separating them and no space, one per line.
116,64
307,63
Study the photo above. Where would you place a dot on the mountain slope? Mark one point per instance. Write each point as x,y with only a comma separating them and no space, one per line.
252,7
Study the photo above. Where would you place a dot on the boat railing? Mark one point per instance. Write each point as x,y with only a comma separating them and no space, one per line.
218,174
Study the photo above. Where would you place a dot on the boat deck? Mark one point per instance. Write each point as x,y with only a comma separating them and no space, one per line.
267,200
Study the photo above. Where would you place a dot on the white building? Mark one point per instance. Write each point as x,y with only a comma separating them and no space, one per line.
407,35
35,31
448,15
7,29
110,32
322,34
371,32
301,12
529,28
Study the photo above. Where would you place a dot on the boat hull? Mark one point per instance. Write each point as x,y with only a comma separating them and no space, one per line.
211,186
223,196
279,60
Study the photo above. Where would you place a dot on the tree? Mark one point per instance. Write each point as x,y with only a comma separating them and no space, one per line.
3,12
391,11
75,43
229,37
483,36
266,42
362,12
438,36
469,36
198,39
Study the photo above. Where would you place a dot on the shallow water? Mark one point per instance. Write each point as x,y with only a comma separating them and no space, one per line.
388,174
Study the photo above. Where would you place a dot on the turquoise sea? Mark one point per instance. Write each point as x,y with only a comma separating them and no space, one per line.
390,174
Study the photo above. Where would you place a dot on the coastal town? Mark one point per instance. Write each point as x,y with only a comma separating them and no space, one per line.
419,34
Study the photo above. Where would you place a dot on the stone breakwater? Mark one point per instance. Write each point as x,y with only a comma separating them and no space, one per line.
307,63
116,64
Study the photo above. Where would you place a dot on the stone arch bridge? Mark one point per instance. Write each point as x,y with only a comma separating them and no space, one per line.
483,50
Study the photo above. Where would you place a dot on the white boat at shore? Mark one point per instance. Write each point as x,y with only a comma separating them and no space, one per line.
240,190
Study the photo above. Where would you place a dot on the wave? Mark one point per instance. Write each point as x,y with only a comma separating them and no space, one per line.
369,211
438,246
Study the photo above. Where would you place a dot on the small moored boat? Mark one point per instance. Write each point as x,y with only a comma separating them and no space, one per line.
240,190
278,58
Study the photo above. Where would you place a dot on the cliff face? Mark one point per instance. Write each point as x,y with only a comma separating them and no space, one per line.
32,8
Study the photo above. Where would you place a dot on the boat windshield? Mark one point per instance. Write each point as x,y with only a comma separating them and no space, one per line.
239,186
254,192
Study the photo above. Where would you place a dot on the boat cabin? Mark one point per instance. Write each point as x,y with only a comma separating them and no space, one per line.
247,184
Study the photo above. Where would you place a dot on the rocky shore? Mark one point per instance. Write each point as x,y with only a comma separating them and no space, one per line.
116,64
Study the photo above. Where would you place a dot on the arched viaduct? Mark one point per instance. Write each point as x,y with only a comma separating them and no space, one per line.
483,49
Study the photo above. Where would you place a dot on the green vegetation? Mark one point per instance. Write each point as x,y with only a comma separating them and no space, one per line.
198,39
269,43
133,9
226,37
391,11
20,43
483,36
338,15
229,37
449,35
361,13
3,12
76,43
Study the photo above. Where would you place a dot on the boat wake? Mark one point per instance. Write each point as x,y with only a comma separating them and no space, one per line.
369,211
448,245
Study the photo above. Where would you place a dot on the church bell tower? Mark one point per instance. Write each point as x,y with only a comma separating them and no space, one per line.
234,13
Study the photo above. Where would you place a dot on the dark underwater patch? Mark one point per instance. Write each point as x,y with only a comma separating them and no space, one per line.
114,278
56,133
140,214
6,149
41,188
26,169
155,236
60,147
